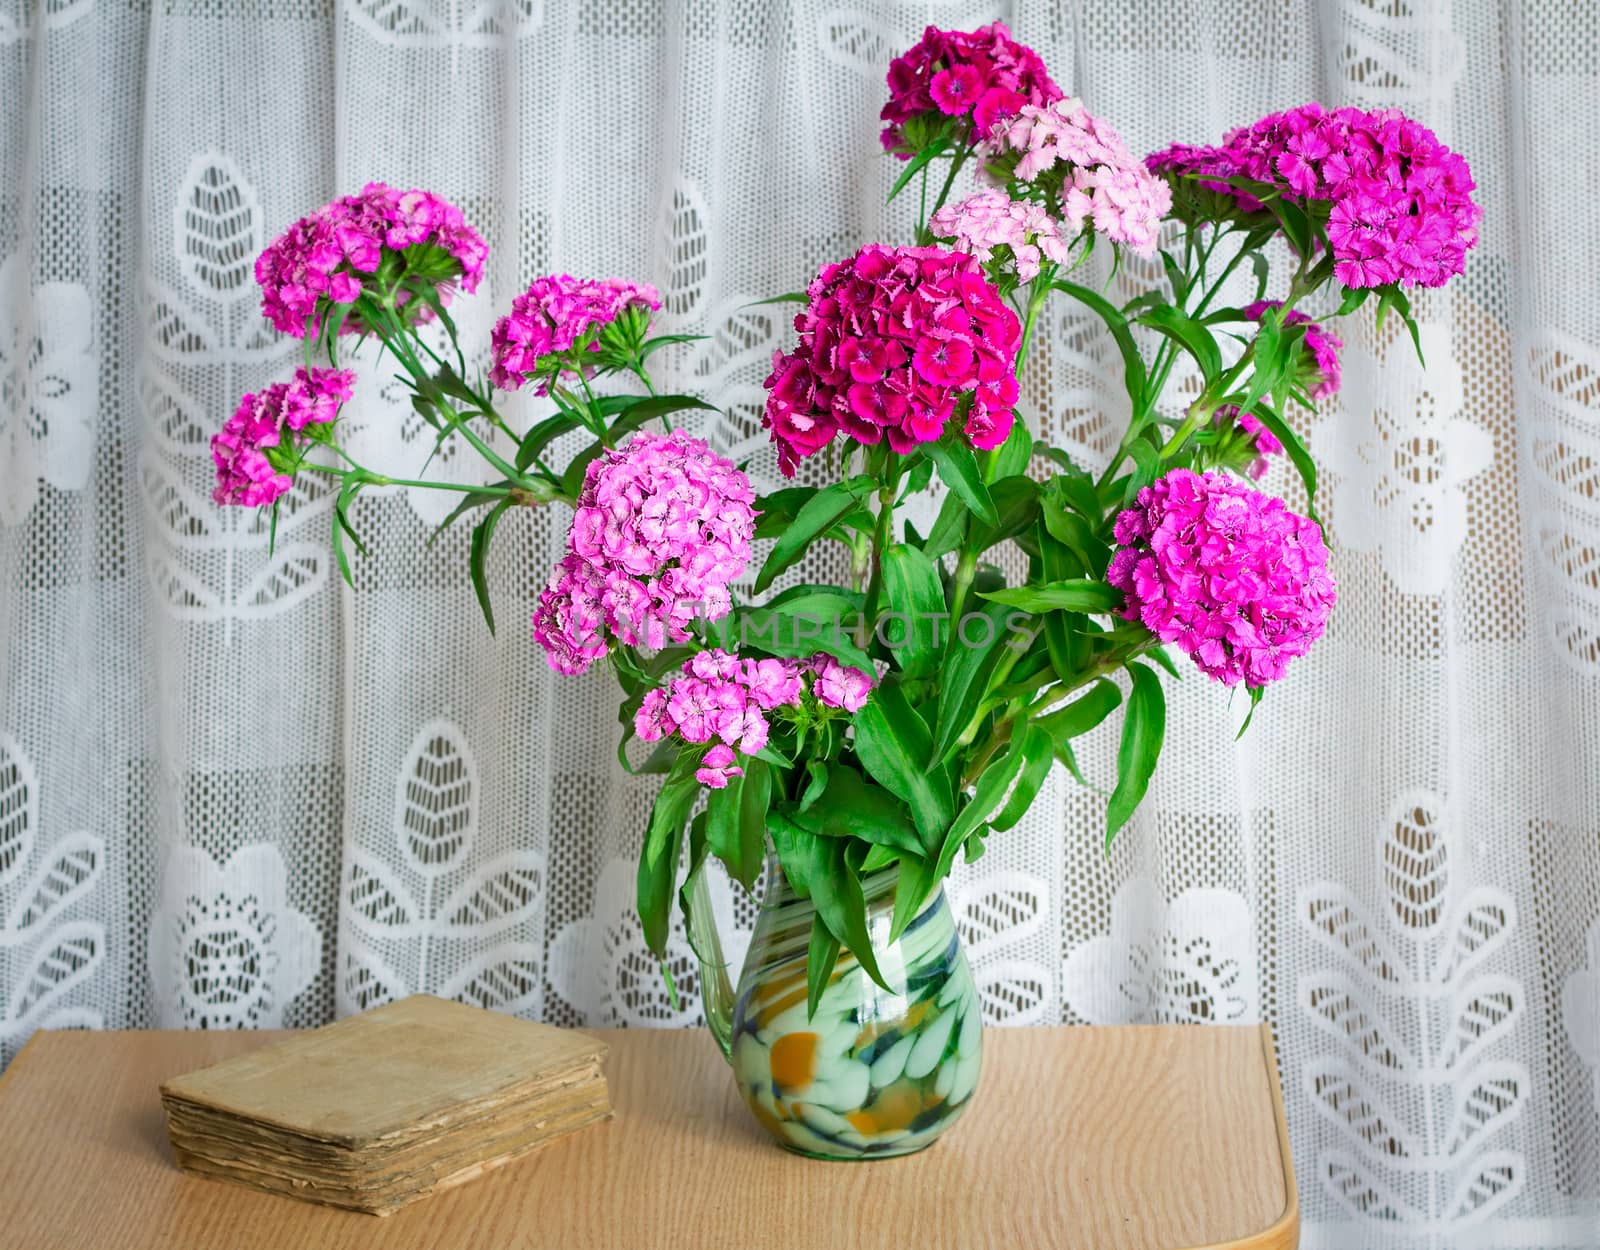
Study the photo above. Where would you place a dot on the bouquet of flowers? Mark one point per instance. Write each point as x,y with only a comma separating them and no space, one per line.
905,716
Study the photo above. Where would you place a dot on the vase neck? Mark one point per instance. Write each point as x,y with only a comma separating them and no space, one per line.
877,888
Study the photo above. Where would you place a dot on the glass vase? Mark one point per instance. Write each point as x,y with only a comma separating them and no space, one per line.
874,1072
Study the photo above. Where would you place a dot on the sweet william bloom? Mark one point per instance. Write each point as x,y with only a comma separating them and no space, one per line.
982,74
335,252
662,526
718,768
1399,202
1082,162
554,316
890,342
838,685
246,475
1229,575
719,698
992,219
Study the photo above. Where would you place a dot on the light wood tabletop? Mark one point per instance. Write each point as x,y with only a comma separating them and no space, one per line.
1155,1138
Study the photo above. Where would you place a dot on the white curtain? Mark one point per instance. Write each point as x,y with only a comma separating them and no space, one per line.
236,793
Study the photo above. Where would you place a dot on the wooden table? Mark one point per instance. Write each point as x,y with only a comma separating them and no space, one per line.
1081,1138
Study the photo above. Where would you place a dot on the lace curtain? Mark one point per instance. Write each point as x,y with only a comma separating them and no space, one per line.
235,793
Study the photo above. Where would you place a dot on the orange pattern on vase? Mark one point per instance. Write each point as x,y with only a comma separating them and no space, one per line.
895,1108
794,1060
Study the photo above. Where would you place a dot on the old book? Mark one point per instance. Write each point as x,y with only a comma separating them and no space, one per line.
386,1107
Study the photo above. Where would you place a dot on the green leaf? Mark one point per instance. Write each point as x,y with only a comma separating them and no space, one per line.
649,407
736,824
949,528
542,435
821,956
803,625
893,745
1296,451
482,533
469,501
1038,754
658,860
913,591
1077,594
916,164
851,807
958,469
800,852
1016,501
1083,713
1133,370
1144,726
825,509
788,297
697,860
913,884
1189,334
964,676
843,908
992,785
1014,455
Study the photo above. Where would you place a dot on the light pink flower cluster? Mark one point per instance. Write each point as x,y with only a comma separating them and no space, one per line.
983,74
890,342
334,252
1265,441
722,699
992,219
1401,208
1084,163
1230,575
246,475
554,316
1322,348
662,526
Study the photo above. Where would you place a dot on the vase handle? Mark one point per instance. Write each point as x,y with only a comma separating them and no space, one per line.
716,987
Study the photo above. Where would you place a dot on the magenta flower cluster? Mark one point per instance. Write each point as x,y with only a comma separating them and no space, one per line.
983,74
1400,201
246,475
723,699
1230,575
555,315
991,219
891,341
1322,347
1101,181
662,526
334,252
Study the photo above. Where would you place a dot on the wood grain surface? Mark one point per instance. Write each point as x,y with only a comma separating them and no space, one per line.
1162,1138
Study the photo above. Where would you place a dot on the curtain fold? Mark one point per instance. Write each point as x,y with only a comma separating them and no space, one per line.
238,793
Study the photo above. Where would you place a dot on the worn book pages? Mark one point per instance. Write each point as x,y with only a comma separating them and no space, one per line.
386,1107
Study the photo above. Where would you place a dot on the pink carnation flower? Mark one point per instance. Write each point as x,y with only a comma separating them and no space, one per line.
246,473
890,342
1230,575
1083,162
992,219
1322,348
838,685
557,315
719,698
334,253
1399,202
983,74
663,526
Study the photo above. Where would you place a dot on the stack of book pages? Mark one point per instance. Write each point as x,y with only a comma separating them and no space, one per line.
383,1108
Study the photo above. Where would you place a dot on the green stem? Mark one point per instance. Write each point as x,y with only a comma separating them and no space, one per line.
1038,292
378,479
880,539
966,570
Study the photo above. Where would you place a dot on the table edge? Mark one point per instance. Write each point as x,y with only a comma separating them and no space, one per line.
1284,1232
